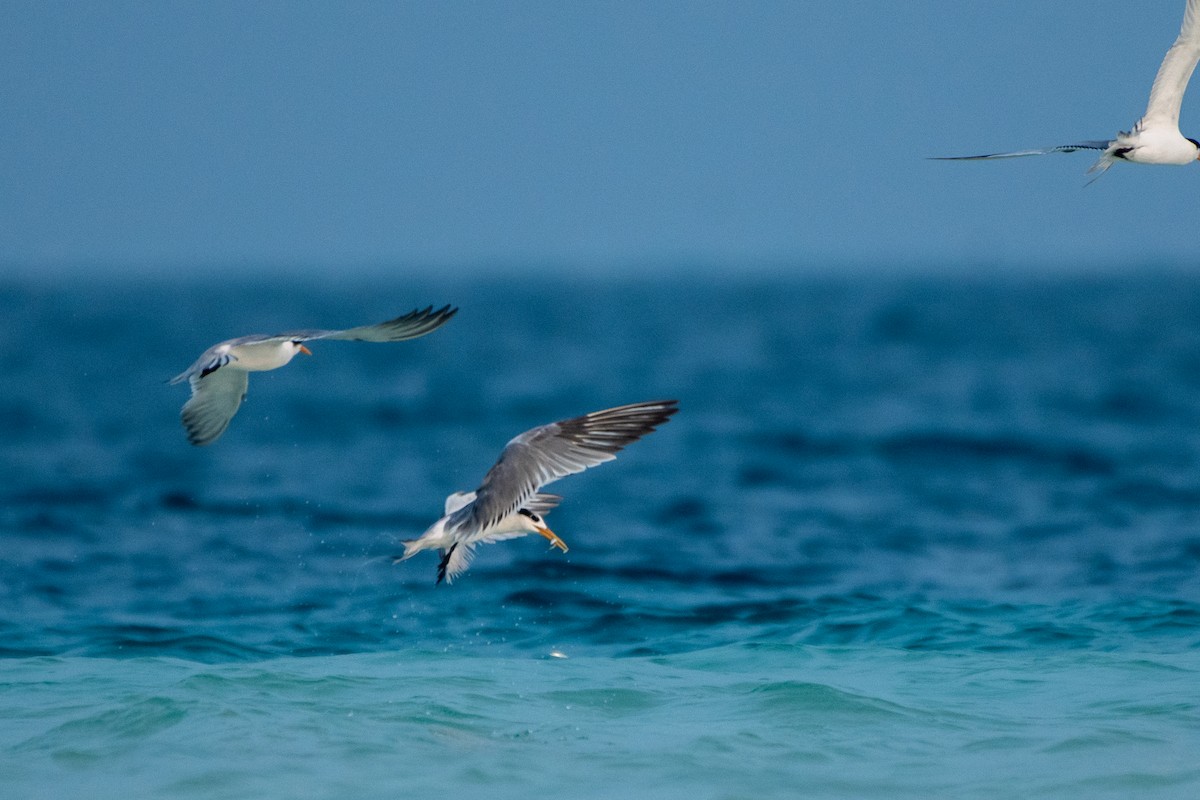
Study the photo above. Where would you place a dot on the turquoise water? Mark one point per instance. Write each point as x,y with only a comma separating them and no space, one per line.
745,720
905,538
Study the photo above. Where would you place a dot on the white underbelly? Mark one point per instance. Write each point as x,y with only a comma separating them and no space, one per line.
263,357
1160,147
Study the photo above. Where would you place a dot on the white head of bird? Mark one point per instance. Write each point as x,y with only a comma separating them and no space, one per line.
530,522
297,346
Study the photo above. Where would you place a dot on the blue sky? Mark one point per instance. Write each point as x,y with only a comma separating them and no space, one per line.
455,136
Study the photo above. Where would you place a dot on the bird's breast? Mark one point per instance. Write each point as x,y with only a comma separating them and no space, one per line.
1160,147
259,357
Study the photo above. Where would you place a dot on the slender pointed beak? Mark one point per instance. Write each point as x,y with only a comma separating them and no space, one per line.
305,350
553,537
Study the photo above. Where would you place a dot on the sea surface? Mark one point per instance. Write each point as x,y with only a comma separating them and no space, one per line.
906,538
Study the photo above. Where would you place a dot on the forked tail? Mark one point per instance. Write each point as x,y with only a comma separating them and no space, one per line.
411,548
1106,160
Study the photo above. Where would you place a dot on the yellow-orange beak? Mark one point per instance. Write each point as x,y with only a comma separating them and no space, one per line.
305,350
553,537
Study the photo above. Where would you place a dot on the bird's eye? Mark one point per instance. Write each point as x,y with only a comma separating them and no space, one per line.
535,518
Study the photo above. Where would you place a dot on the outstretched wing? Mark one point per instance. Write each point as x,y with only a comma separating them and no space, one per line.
215,398
410,326
553,451
1095,144
1166,95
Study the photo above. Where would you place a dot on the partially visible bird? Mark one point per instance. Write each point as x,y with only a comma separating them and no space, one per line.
219,377
508,503
1155,138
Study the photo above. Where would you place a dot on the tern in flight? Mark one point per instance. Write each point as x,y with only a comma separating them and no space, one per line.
1155,138
508,503
220,375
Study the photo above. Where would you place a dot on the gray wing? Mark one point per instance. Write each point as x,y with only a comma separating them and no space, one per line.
1093,144
549,452
1166,95
410,326
542,503
215,398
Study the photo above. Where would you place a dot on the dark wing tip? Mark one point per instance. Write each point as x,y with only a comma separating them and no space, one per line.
651,411
421,321
444,563
200,437
198,433
612,429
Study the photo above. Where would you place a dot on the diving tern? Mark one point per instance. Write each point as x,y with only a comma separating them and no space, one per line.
1155,138
219,376
508,504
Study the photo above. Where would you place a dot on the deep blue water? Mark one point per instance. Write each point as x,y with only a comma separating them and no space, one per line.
905,538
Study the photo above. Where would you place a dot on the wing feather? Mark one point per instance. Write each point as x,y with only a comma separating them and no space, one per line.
1091,144
409,326
1166,94
215,398
549,452
455,562
457,500
542,503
